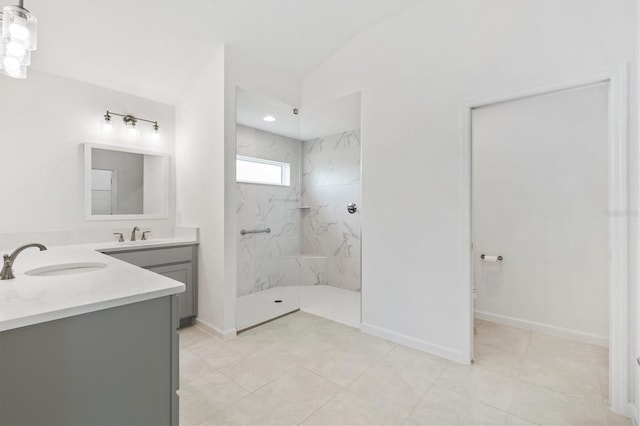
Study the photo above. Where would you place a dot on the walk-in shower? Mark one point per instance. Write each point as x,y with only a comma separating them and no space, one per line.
298,217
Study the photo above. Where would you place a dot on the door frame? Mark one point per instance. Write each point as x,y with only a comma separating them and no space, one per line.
617,212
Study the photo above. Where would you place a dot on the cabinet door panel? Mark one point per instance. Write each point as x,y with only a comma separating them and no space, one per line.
183,273
108,367
179,263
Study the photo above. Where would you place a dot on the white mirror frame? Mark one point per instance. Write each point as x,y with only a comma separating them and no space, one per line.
164,214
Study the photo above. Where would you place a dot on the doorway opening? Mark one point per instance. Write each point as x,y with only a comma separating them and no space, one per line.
546,171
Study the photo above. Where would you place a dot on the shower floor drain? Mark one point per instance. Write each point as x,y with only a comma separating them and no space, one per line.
277,301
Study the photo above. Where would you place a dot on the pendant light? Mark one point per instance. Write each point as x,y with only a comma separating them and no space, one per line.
19,38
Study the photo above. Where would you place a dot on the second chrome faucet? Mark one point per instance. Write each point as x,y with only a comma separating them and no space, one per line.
133,233
144,234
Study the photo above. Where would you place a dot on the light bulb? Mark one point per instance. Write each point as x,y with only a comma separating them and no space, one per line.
132,131
155,134
107,126
15,50
130,121
269,118
13,72
11,64
19,72
19,31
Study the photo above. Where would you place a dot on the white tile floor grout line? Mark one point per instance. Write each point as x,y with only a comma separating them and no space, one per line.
344,388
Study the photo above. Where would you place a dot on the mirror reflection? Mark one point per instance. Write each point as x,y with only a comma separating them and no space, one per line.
117,182
123,182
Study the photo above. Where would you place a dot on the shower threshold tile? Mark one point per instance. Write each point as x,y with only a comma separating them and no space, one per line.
259,307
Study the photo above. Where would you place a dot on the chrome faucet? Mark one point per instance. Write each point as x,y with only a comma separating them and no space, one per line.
133,233
7,268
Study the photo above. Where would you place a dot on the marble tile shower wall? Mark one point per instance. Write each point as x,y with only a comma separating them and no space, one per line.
266,206
331,180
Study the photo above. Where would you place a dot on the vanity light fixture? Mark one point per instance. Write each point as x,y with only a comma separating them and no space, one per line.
131,124
19,38
269,118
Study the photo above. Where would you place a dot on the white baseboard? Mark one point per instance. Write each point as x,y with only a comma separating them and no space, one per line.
538,327
212,329
412,342
633,413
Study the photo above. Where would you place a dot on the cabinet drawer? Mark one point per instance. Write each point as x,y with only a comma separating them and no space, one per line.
151,257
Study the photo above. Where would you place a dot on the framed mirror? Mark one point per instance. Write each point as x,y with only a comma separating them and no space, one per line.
122,183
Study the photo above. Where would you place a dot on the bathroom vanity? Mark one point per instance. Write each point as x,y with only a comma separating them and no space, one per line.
179,262
97,347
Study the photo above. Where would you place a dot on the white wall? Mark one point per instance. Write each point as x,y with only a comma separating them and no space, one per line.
43,122
414,71
540,200
200,174
634,231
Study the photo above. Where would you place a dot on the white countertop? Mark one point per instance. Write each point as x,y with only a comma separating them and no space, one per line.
28,300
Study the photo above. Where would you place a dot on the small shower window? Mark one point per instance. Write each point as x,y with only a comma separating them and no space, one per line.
258,170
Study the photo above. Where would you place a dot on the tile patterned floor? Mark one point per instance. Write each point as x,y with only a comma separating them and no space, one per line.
303,369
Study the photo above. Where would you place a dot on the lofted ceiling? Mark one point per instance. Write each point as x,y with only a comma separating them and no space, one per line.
153,48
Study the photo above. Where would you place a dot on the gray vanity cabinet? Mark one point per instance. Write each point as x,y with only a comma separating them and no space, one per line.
114,366
179,263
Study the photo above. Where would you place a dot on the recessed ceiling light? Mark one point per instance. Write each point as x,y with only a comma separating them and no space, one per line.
269,118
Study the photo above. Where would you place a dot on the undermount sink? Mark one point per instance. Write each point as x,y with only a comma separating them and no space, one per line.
139,242
66,269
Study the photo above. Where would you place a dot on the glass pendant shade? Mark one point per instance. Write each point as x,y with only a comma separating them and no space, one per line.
12,67
107,126
20,27
132,130
13,50
155,134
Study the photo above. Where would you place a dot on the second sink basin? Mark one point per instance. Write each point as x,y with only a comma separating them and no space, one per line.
66,269
139,242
